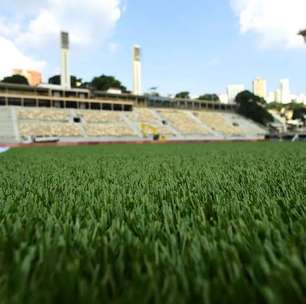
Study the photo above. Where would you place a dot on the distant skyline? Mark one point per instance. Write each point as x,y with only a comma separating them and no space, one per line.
201,47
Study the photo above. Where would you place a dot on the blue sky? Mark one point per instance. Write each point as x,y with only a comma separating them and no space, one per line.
198,46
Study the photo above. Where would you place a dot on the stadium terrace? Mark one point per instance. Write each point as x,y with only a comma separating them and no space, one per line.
41,114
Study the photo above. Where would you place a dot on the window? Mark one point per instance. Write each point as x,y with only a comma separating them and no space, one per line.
14,102
71,105
95,106
118,107
29,103
107,106
44,103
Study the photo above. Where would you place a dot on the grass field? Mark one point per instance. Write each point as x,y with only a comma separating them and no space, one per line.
208,223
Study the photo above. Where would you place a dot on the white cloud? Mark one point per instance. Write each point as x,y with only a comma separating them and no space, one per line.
88,21
11,58
36,30
276,22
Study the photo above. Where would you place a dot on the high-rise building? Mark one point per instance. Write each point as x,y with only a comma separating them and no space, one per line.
233,90
270,97
34,77
65,74
223,98
260,87
137,70
285,91
302,98
278,96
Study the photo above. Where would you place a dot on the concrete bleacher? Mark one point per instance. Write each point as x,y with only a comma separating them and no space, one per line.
44,122
148,122
247,127
91,116
21,123
117,130
47,129
184,122
217,122
105,123
43,114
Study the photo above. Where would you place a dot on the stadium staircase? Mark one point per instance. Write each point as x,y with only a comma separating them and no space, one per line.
171,128
132,125
204,126
249,127
81,125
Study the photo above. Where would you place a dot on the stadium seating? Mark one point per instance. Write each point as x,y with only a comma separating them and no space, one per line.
49,129
116,130
90,116
217,122
183,122
104,123
148,122
140,123
43,114
247,126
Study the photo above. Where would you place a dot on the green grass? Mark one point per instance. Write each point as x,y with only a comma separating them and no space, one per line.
154,224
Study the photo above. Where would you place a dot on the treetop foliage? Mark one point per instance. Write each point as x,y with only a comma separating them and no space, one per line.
15,79
183,95
56,79
252,106
104,82
210,97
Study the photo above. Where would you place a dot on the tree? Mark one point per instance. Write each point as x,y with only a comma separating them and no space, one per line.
183,95
299,113
75,82
275,106
104,82
251,106
210,97
16,79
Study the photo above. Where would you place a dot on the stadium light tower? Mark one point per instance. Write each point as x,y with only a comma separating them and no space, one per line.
136,70
65,75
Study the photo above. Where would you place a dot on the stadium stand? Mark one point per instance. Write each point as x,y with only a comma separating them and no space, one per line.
43,114
48,129
149,123
67,118
247,127
142,123
116,130
217,122
91,116
183,122
104,123
77,115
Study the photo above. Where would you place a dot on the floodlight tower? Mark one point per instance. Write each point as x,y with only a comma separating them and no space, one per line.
137,70
65,75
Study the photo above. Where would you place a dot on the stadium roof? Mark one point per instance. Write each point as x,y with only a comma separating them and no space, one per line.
59,87
21,86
